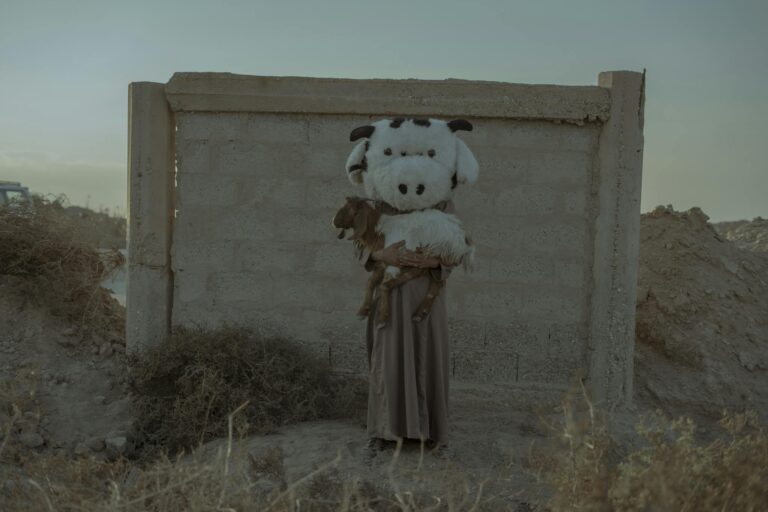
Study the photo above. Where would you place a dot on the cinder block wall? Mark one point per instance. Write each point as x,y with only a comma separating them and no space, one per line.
259,172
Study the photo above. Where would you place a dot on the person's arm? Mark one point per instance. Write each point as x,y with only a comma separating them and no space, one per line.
389,255
438,269
392,255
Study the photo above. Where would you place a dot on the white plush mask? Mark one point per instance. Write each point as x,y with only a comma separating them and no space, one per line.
411,164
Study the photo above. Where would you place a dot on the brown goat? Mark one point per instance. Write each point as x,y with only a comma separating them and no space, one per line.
359,216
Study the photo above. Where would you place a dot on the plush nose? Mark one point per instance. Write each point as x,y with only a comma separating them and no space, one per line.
402,188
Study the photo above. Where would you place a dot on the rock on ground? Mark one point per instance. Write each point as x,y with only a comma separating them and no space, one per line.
31,439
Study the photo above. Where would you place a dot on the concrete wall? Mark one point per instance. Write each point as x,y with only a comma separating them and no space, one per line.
555,214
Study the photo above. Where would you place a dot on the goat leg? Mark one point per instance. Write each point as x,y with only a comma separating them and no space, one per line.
382,313
405,275
387,284
373,281
425,307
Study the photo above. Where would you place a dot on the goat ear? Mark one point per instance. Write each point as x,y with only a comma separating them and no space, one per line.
460,124
356,163
362,131
360,224
467,168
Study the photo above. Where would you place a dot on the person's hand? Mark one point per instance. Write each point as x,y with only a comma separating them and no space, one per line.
418,259
390,254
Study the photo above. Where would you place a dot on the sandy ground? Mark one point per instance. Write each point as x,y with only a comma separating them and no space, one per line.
494,431
75,387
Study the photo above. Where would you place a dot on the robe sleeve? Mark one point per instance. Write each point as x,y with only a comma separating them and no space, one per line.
442,272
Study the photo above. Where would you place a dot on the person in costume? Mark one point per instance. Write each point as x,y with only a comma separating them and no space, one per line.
406,165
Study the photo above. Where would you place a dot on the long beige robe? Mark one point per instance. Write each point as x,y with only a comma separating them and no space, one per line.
409,363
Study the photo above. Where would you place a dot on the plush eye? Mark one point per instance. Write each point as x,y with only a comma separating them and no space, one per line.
388,151
431,153
402,153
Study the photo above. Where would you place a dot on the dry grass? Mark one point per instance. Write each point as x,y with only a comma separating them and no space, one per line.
227,480
47,257
185,389
676,470
17,397
195,483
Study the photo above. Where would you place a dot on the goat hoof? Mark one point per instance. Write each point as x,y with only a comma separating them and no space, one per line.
381,325
416,318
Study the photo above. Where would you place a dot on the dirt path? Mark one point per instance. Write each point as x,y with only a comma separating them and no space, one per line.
493,431
74,388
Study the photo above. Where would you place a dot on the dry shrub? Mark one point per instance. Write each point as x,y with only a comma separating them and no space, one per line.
729,473
185,389
100,228
675,471
47,258
578,461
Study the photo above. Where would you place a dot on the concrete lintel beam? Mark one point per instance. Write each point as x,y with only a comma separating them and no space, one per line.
225,92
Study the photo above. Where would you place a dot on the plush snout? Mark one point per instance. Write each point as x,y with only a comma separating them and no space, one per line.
413,182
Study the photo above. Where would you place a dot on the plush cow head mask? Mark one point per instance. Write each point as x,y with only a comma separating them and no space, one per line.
411,163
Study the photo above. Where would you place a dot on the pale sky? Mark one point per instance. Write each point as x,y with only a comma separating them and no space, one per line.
65,67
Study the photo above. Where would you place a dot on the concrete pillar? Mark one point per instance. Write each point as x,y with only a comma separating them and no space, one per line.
151,167
616,240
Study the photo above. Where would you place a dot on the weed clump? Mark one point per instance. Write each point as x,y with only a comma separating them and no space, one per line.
185,389
46,257
674,470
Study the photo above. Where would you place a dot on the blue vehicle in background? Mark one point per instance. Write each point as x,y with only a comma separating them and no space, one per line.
13,195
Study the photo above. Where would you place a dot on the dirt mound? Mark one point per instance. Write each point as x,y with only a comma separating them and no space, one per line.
702,318
62,375
752,235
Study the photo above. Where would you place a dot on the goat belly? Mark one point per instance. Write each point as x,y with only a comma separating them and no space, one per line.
441,234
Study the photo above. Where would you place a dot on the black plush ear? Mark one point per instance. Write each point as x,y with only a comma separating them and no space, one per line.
361,131
460,124
356,163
